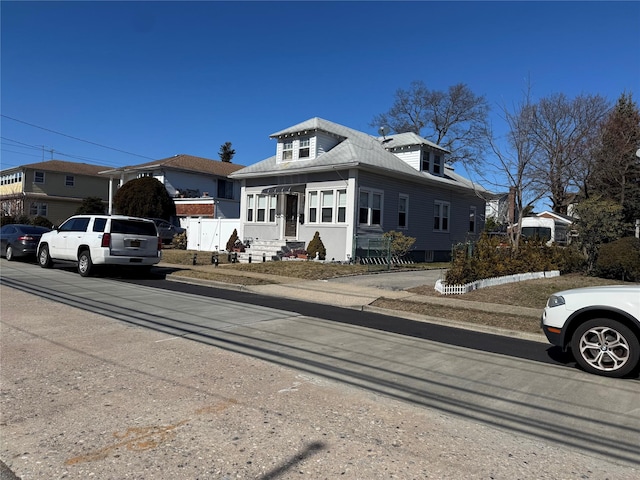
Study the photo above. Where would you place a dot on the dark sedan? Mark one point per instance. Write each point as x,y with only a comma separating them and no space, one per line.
18,240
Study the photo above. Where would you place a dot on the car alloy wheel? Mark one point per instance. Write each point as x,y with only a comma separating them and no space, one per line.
9,253
84,264
606,347
44,260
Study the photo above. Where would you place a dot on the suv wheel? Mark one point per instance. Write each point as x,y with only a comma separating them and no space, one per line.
605,347
9,253
44,259
85,265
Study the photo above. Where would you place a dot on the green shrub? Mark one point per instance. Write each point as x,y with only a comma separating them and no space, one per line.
316,247
144,197
619,260
40,221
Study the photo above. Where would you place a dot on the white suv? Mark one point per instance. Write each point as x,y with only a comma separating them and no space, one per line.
601,326
89,240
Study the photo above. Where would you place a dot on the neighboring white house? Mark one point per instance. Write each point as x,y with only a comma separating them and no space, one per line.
350,186
199,186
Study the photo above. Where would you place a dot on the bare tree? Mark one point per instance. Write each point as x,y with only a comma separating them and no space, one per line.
564,132
455,119
515,160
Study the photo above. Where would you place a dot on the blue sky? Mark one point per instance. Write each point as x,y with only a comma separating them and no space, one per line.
157,79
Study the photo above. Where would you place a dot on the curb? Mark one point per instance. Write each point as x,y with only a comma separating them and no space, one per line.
395,313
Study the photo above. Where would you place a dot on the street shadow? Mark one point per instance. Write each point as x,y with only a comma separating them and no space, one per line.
308,451
558,355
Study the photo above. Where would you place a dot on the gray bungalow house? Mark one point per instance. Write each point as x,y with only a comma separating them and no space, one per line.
350,186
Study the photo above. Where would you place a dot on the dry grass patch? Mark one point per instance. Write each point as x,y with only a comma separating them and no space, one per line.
220,276
307,270
531,293
463,315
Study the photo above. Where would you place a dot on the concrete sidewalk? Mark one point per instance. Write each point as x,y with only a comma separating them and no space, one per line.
361,291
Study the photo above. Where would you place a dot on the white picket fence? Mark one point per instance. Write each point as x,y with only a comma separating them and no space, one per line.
445,289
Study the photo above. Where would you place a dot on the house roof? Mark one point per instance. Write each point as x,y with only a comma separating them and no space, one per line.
399,140
186,163
568,219
317,124
62,166
356,149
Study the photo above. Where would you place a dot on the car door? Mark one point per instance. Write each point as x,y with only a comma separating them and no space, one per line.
64,244
5,233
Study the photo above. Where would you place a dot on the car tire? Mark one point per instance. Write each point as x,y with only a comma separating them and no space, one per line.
9,253
85,265
605,347
44,259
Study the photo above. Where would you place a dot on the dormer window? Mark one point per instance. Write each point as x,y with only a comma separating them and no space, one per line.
287,151
304,148
426,161
300,148
437,165
431,163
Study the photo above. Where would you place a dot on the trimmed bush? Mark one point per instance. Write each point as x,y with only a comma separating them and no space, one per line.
316,247
144,197
619,260
233,239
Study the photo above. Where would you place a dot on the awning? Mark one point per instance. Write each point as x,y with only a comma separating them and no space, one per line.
290,188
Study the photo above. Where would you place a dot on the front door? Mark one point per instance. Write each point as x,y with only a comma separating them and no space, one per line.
291,216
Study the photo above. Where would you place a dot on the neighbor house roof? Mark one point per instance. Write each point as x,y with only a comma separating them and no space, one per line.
356,149
64,167
186,163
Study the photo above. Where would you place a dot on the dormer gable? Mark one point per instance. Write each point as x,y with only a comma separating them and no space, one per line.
418,152
308,140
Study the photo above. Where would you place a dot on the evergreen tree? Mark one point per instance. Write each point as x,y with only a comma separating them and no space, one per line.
226,152
91,205
616,171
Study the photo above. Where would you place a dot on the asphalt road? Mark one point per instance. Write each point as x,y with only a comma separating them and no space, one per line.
509,384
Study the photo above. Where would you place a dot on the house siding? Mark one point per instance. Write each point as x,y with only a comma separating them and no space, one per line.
325,142
420,215
411,157
54,184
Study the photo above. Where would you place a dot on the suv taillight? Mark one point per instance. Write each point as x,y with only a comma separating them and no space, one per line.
159,242
106,240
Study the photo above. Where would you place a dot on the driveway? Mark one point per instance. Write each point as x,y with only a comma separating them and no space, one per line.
394,280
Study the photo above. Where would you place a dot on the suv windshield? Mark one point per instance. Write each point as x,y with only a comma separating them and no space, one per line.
133,227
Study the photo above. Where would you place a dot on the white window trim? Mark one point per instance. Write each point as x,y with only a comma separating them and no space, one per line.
320,195
441,204
269,205
406,213
371,192
35,177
